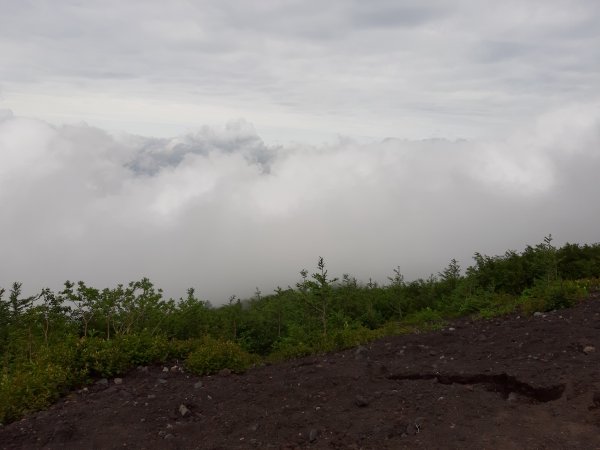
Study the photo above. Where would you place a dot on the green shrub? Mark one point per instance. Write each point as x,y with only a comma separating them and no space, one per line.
99,357
548,296
426,318
141,349
30,387
497,304
180,349
288,349
350,337
213,355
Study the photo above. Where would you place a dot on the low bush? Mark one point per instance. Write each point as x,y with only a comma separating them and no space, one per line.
548,296
213,355
33,385
426,318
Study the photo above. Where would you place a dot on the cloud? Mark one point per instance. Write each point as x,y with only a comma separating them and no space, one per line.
381,68
220,210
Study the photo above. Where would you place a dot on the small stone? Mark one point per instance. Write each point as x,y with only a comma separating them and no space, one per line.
360,352
118,380
183,410
161,381
312,435
142,420
102,382
419,424
162,433
537,314
198,385
225,372
512,397
589,349
451,329
151,396
360,401
174,369
165,369
411,429
168,436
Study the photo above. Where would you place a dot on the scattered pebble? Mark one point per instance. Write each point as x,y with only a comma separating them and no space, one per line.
360,352
589,349
360,401
198,385
183,410
118,380
312,435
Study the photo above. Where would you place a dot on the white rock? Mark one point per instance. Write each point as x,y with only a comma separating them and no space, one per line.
183,410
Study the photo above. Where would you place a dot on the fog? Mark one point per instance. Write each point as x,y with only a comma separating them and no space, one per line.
220,210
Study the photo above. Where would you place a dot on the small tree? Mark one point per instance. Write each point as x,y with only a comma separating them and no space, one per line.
398,292
316,292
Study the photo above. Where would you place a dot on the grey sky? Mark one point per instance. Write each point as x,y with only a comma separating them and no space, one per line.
229,144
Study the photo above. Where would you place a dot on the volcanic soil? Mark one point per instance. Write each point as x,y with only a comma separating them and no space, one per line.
514,382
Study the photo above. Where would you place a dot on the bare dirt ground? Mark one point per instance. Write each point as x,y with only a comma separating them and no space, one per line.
498,384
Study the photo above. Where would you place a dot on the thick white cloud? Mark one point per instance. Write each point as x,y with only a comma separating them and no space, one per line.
220,210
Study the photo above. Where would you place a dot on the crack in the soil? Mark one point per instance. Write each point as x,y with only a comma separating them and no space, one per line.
502,383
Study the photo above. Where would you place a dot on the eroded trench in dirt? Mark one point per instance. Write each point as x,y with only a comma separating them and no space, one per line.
501,383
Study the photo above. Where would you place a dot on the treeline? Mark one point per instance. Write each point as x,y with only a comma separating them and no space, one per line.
53,341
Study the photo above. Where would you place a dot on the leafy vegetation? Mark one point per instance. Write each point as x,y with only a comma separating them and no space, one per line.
54,341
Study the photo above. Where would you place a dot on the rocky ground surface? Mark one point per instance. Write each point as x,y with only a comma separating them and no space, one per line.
515,382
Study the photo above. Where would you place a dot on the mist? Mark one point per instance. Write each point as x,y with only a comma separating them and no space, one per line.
222,210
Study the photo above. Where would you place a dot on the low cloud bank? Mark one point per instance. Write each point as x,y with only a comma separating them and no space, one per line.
222,211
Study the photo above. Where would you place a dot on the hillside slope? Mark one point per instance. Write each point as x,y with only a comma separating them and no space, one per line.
514,382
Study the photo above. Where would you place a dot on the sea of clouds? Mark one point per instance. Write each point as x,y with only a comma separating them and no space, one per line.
222,211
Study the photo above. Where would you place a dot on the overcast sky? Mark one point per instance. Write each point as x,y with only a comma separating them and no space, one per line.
226,145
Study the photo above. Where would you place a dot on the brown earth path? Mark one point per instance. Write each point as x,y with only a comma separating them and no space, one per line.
504,383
